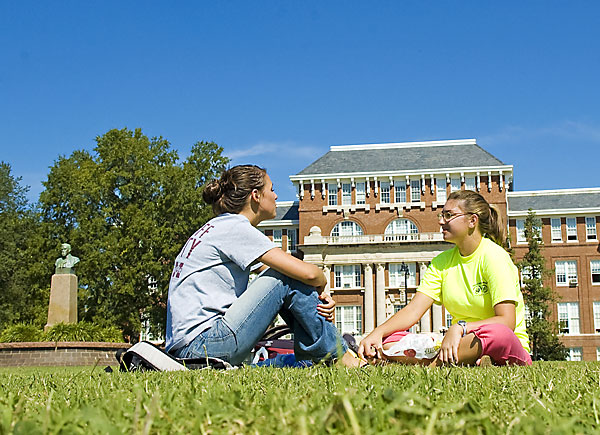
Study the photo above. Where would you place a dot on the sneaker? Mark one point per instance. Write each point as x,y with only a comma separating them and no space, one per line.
351,342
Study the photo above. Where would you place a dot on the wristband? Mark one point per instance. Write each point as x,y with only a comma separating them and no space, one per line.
463,324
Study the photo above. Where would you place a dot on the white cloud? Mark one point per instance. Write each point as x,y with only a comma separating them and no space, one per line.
288,149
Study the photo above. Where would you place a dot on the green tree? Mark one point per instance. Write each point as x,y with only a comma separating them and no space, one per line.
538,297
20,301
127,208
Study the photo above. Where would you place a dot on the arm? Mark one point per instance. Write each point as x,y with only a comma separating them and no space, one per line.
402,320
294,268
505,314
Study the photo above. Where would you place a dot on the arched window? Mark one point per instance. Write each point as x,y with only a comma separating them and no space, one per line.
346,228
400,229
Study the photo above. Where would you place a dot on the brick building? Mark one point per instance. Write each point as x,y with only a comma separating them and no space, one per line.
367,215
569,231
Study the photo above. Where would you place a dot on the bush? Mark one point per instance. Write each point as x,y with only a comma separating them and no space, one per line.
21,332
83,331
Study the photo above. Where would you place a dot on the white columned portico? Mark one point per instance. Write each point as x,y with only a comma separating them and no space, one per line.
436,315
369,299
380,293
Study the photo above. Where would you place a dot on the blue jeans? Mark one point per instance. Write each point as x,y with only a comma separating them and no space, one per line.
234,335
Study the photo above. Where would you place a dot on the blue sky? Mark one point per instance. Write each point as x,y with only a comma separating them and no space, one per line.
277,82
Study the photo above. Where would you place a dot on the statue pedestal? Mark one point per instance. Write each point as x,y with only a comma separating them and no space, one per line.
63,300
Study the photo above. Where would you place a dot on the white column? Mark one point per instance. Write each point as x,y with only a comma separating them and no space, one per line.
380,293
426,321
422,270
327,273
437,320
369,299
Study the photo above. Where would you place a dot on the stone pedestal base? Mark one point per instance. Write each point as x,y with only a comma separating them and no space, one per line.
63,300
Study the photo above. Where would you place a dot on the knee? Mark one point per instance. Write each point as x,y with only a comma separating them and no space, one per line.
286,280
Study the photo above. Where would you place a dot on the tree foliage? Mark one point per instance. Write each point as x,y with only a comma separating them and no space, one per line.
126,209
20,299
538,297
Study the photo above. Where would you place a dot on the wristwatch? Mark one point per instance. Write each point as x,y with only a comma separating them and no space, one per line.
464,327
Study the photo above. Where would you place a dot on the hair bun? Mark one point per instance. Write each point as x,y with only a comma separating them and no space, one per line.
212,192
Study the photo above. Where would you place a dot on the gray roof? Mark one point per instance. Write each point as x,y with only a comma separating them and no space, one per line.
286,212
401,159
553,201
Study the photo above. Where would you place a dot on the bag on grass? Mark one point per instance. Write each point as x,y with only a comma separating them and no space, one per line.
272,345
425,345
145,356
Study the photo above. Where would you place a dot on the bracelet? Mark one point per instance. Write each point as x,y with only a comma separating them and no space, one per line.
463,324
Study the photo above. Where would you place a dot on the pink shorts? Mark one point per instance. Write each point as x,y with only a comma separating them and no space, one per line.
497,340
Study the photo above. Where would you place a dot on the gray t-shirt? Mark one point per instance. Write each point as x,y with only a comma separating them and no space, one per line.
210,273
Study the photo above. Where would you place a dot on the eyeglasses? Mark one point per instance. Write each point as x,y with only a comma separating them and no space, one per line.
447,216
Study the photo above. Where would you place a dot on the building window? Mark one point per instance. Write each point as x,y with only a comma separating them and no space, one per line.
568,317
400,229
360,193
440,189
595,269
571,229
521,231
398,307
590,228
346,229
277,237
415,190
574,354
292,240
347,276
566,272
397,276
346,193
348,319
384,192
469,183
332,193
400,192
454,184
556,230
526,273
597,317
448,319
598,354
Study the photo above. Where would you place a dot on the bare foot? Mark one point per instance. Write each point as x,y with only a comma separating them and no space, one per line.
350,359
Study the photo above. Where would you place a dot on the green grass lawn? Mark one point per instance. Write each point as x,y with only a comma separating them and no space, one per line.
545,398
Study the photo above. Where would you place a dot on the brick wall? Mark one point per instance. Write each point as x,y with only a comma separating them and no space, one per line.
59,354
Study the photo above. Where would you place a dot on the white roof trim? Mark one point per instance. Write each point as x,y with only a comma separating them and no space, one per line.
554,192
383,146
439,171
274,223
286,203
557,212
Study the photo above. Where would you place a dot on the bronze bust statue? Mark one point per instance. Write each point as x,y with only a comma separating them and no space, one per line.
66,262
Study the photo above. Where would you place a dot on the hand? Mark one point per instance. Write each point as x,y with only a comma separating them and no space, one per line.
371,347
449,349
326,309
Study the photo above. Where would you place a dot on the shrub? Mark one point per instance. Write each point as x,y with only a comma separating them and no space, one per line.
21,332
83,331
